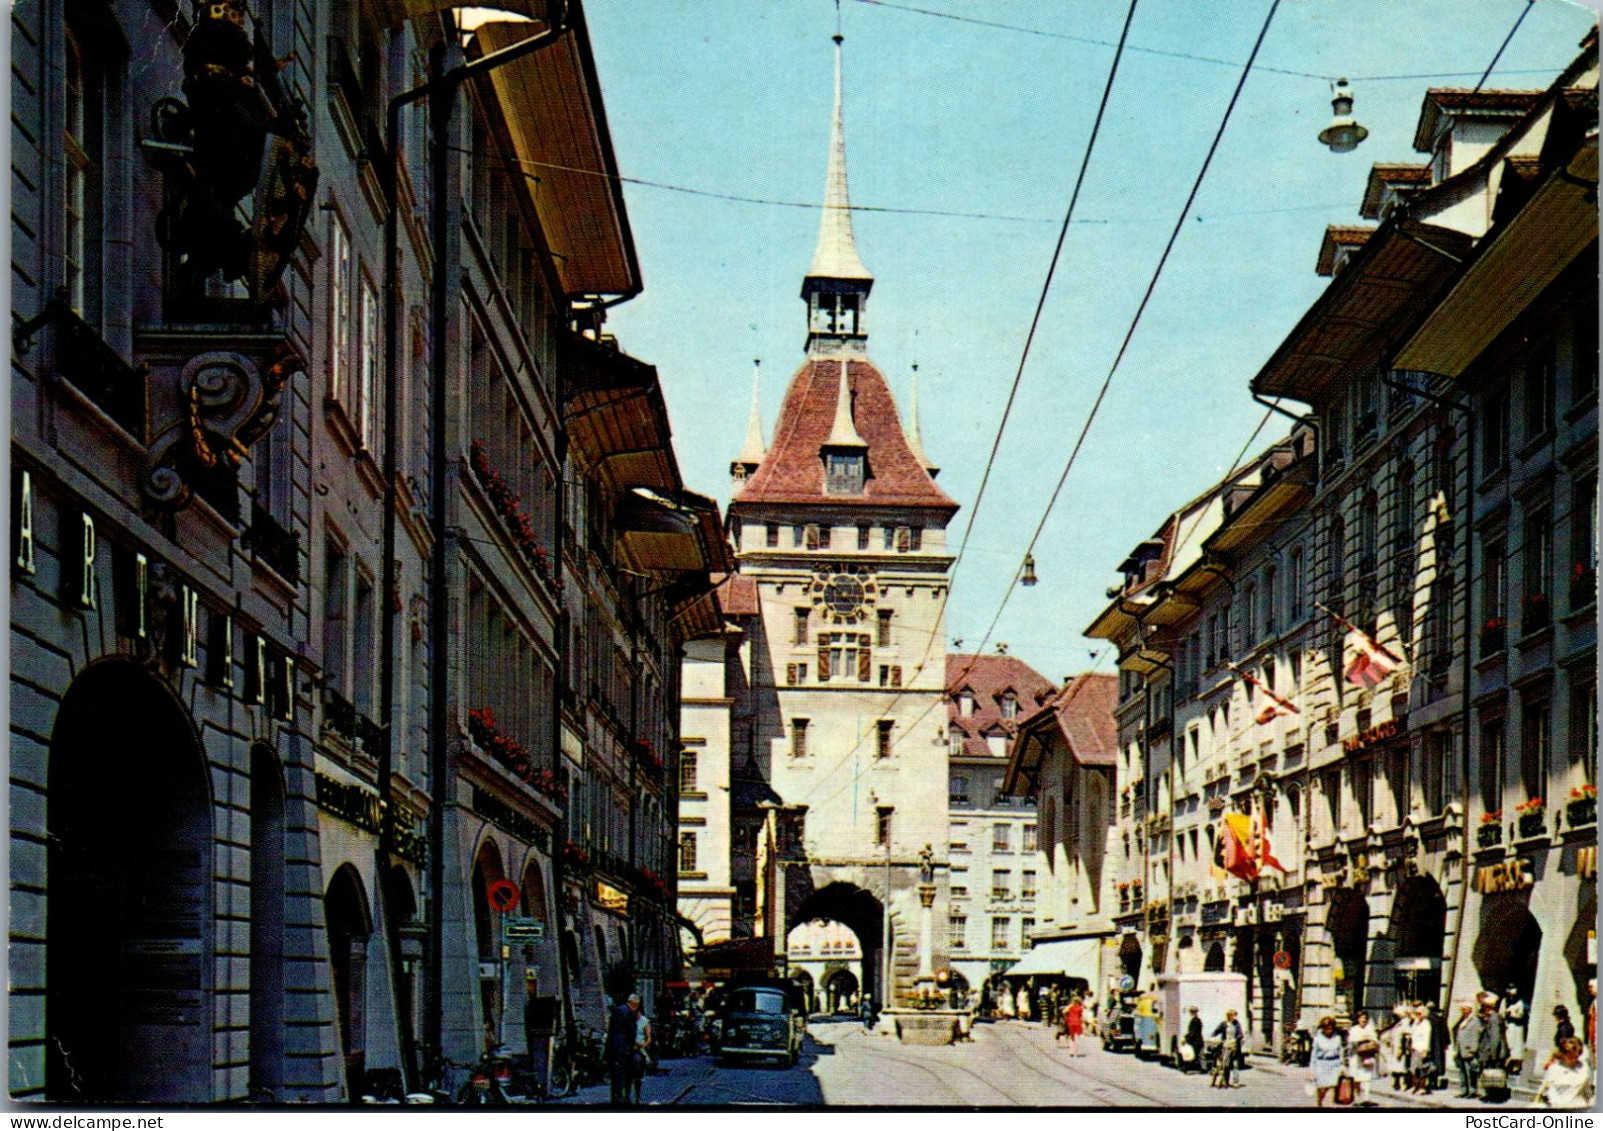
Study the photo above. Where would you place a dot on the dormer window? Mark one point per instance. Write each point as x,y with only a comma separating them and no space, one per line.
844,473
965,704
1010,705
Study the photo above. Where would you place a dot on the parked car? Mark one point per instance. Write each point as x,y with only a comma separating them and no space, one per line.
1211,993
760,1020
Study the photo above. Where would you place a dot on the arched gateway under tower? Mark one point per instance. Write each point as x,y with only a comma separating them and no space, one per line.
840,532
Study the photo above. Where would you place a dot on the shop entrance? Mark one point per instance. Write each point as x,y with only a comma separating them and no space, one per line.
1419,918
1509,944
1347,921
128,1008
350,925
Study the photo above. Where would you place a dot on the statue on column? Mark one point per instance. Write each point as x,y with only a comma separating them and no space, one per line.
926,865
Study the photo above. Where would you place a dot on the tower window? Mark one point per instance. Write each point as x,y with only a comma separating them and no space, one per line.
843,473
882,825
862,537
884,627
883,749
798,738
772,536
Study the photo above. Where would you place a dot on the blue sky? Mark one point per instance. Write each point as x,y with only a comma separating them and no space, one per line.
733,97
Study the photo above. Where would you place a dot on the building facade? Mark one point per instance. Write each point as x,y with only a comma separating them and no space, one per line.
289,506
1328,645
996,864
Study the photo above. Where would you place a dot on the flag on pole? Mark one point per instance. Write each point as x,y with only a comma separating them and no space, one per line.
1266,852
1366,662
1234,847
1277,705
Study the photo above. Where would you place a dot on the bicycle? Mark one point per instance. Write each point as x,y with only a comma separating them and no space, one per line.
578,1060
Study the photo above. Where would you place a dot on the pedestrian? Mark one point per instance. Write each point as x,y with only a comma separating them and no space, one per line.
1364,1044
620,1050
1194,1039
1591,1018
1022,1001
1516,1017
1421,1066
1230,1037
1093,1022
1567,1077
1074,1024
1466,1042
868,1010
1491,1051
1397,1043
1329,1057
1562,1027
641,1060
1441,1040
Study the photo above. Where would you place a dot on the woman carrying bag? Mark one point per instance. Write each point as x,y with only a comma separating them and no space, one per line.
1364,1044
1329,1062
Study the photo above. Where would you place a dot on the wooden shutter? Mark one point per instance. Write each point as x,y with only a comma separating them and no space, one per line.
863,658
823,656
896,676
790,673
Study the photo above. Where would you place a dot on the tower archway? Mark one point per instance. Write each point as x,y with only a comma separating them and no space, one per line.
863,914
128,1003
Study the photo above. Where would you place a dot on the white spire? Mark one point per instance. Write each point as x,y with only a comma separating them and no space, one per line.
843,433
914,440
836,255
755,449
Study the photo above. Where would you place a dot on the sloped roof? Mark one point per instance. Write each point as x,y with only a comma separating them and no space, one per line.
1444,101
737,596
988,677
1084,713
793,472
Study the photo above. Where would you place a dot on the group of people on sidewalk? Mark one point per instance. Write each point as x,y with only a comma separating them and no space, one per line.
1487,1043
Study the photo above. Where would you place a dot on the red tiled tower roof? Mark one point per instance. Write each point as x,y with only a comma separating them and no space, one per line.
793,471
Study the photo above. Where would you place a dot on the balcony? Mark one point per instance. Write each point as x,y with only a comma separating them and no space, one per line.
340,717
276,548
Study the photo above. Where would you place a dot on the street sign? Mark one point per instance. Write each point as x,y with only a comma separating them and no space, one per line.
514,931
502,895
1282,960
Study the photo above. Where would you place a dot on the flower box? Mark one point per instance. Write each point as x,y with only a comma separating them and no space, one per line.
1583,585
1494,634
1581,810
1489,835
509,505
1532,823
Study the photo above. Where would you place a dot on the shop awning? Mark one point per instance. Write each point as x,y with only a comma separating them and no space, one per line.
551,101
1070,958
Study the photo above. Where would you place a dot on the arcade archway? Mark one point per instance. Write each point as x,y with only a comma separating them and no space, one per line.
863,915
128,1007
350,926
1419,918
840,991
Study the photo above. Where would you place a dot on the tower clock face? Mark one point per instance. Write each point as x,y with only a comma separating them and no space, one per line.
844,594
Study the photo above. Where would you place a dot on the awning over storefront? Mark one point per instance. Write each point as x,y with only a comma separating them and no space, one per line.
1071,958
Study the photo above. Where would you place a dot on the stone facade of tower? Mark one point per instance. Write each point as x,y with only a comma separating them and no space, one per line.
841,530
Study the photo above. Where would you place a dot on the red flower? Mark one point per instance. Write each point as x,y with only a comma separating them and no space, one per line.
1491,818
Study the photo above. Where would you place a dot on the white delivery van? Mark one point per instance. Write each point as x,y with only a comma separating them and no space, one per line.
1212,994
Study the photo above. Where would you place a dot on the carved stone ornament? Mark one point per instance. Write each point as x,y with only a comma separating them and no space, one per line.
226,405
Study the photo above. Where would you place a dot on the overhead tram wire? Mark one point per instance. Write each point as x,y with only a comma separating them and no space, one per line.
1046,289
1172,54
1509,38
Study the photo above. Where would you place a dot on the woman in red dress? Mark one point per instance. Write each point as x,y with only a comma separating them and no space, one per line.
1074,1024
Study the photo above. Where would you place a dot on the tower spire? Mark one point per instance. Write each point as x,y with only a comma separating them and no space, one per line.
744,466
914,440
837,284
836,256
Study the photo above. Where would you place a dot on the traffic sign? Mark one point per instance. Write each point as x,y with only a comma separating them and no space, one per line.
514,931
502,895
1282,960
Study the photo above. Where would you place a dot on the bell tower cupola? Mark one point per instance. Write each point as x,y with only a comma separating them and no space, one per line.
837,284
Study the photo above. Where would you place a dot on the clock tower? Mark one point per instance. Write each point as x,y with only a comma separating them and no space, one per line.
840,529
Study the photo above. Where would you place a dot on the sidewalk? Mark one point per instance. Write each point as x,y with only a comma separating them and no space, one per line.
1446,1099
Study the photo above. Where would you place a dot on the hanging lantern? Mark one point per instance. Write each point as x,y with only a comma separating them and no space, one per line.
1027,577
1343,134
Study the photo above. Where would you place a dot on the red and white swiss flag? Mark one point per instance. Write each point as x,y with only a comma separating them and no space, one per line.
1367,662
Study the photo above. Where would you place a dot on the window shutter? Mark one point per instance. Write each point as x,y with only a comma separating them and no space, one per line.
823,657
863,664
896,676
812,537
790,673
903,539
